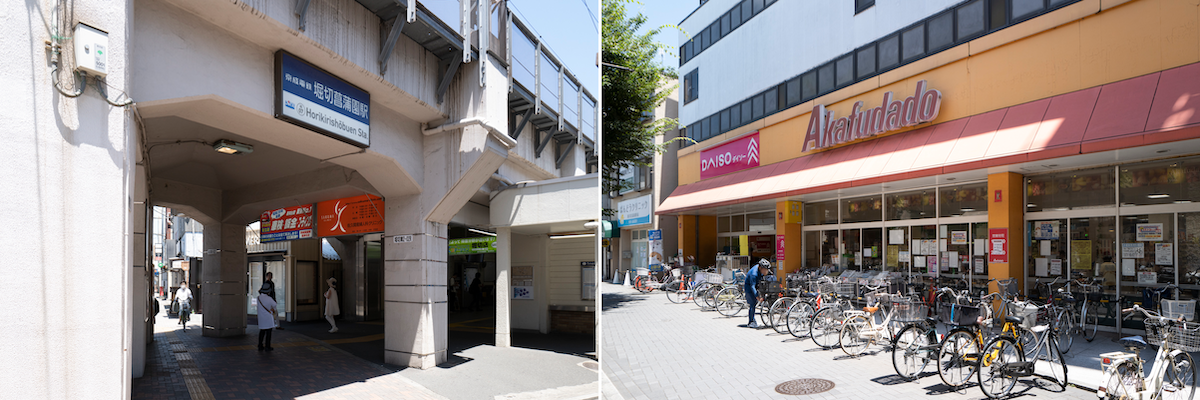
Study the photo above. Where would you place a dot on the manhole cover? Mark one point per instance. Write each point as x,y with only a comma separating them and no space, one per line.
804,386
592,365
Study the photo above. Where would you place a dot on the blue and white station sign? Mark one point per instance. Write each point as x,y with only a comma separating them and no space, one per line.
310,97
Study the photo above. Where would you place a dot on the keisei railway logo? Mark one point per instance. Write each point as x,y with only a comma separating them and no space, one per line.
289,104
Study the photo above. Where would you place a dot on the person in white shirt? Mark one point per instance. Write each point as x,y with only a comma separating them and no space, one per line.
331,305
266,318
184,296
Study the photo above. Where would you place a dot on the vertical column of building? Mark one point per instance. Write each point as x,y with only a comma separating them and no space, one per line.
414,291
1006,226
223,280
698,238
503,300
788,230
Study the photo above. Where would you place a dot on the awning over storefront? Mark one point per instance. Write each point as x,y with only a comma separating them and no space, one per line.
1157,108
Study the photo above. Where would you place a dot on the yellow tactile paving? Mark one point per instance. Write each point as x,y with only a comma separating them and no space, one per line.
192,377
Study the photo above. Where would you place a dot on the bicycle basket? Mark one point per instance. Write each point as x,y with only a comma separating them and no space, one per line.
1174,309
847,289
1007,287
1182,335
958,314
1026,311
1093,292
822,287
908,310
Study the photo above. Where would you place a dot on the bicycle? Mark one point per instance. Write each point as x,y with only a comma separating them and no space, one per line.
859,330
825,327
798,316
1004,359
916,345
1174,373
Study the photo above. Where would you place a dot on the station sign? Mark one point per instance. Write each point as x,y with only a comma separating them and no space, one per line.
825,130
312,98
350,216
289,223
473,245
730,157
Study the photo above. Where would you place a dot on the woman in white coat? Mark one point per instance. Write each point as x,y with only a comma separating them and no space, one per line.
331,305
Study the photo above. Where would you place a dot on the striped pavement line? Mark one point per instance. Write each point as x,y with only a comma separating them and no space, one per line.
197,387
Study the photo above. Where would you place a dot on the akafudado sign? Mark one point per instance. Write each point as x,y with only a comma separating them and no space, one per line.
826,130
730,157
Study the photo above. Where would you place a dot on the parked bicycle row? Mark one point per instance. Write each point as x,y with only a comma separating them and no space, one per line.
991,340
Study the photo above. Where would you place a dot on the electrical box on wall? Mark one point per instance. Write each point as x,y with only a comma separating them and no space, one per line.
91,50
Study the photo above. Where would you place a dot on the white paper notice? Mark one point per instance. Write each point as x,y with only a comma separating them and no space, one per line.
1041,266
980,247
867,252
1133,250
942,233
1147,277
916,247
919,262
1055,267
905,256
979,265
858,258
1163,254
1045,247
953,258
896,236
1127,268
941,244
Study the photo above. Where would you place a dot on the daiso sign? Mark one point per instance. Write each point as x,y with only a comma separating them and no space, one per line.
730,157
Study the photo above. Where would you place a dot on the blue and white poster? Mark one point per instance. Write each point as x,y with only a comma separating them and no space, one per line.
307,96
656,250
634,211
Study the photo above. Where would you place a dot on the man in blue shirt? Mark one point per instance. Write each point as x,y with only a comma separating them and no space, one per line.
751,288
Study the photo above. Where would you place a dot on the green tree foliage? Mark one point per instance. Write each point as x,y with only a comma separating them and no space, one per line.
633,84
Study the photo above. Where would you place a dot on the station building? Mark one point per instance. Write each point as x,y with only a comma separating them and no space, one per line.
418,122
947,140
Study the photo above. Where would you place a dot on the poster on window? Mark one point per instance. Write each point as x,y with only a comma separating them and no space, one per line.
1045,230
1149,232
979,265
1055,267
1147,277
958,237
896,236
1081,254
1164,254
932,262
1133,250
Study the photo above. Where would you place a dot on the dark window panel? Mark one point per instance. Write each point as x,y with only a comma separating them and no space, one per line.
725,121
770,2
735,116
793,92
756,103
695,84
970,20
1026,8
941,31
746,11
845,70
862,5
866,61
808,85
771,101
735,19
758,6
724,24
889,52
1055,3
912,43
825,82
997,14
747,112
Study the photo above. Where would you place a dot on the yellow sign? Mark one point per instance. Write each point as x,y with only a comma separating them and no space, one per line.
791,213
744,241
1081,254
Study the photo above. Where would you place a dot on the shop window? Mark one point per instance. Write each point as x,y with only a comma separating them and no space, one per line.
845,70
979,252
970,20
829,249
820,213
812,249
872,249
1070,190
1026,8
1146,253
866,61
956,259
1093,254
963,200
1189,255
863,209
941,31
1161,182
825,78
1046,252
738,223
896,252
723,224
851,249
761,222
1055,3
911,205
912,43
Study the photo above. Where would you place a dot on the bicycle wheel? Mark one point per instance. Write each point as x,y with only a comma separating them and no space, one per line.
995,378
1179,380
911,352
1052,363
710,296
698,293
958,357
639,283
852,338
1121,381
775,316
826,327
1091,320
799,319
1027,341
727,302
1065,331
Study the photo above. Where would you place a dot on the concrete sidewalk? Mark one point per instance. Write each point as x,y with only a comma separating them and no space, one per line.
310,363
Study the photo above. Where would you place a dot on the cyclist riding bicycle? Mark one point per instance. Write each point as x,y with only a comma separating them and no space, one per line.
751,288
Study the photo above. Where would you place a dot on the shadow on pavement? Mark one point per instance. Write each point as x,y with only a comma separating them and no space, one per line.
612,301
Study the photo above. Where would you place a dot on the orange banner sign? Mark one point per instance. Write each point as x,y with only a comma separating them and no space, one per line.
349,216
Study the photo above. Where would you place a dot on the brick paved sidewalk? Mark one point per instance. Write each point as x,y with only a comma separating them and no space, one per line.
654,349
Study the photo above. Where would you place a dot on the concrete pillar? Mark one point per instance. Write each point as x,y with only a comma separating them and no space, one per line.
503,271
787,225
353,285
1006,210
414,292
698,237
223,280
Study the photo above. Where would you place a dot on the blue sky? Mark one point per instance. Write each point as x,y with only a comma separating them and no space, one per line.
664,12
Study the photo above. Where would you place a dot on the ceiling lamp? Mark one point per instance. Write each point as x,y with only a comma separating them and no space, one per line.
231,147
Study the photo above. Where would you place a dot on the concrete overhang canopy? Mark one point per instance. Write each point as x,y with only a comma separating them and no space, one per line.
559,205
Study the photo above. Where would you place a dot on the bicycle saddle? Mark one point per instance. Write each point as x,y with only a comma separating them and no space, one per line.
870,310
1135,343
1012,319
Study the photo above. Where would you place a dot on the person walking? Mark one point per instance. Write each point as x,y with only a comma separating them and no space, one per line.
331,305
266,318
184,296
751,289
476,291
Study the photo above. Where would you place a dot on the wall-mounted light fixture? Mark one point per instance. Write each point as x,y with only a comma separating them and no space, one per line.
481,232
232,147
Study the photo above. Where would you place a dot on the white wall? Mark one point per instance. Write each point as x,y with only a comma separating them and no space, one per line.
68,177
781,42
563,270
530,250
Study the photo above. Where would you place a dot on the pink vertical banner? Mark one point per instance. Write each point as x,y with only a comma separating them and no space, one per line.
733,156
779,248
